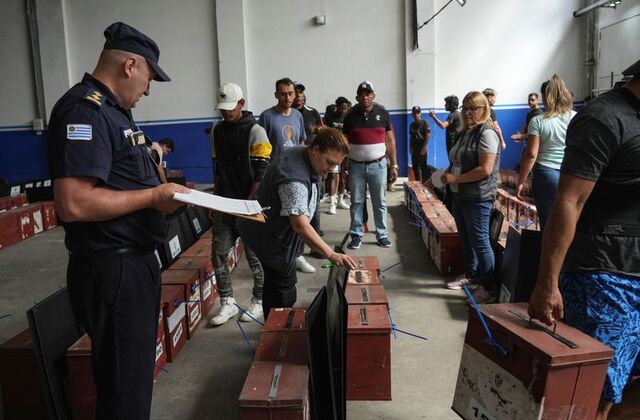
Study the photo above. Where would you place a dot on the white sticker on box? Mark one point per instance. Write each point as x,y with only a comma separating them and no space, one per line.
485,390
159,350
195,294
37,221
174,246
38,184
196,225
194,316
206,290
177,335
177,316
29,185
47,183
15,190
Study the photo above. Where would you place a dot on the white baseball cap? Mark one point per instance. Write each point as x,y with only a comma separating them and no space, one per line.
228,96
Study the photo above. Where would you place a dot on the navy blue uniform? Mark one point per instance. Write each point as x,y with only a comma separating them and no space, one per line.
113,276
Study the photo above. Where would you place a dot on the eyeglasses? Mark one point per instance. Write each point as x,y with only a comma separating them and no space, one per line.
471,108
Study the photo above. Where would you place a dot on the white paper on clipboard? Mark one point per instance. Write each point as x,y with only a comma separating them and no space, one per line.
436,178
223,204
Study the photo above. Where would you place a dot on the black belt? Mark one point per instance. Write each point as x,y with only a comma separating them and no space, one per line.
114,252
367,162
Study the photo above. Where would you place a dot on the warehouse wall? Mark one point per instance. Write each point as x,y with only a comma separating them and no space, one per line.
510,46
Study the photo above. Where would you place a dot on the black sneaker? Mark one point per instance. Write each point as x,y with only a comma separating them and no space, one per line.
384,243
355,243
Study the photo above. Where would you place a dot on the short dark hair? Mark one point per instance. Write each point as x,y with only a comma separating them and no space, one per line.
452,100
330,109
329,138
284,81
167,142
341,100
533,94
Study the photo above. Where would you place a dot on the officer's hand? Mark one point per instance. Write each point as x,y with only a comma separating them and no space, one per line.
546,304
520,191
342,259
432,113
163,197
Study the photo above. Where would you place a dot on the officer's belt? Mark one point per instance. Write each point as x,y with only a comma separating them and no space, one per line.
114,252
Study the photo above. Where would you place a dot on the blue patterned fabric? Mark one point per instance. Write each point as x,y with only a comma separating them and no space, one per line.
607,307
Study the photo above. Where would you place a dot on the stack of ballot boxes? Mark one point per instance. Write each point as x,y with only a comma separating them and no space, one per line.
277,385
368,360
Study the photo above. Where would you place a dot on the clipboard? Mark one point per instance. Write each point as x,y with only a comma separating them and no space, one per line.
247,209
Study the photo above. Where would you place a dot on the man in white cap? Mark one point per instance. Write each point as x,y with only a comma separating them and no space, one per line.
589,272
241,151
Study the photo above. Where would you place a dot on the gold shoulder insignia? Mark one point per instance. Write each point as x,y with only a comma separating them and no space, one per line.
95,97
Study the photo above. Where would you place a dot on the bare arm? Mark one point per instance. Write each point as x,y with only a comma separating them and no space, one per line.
302,227
78,199
498,130
390,141
527,161
441,124
486,161
546,303
253,190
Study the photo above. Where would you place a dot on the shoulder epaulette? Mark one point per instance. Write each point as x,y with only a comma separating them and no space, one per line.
95,97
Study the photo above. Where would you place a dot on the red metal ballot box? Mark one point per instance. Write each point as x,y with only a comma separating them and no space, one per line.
190,282
10,232
22,395
207,278
275,391
445,247
285,319
538,375
373,294
49,217
368,353
174,319
283,346
202,248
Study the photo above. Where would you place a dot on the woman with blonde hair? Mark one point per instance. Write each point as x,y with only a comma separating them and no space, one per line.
544,150
473,179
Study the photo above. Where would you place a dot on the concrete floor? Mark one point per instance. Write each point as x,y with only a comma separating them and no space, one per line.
206,379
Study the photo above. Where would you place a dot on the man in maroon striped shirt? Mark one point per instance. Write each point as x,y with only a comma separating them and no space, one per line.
368,128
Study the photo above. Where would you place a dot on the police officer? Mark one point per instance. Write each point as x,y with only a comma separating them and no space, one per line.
108,194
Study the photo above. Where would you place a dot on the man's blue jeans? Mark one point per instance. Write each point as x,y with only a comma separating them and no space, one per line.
373,175
544,184
472,218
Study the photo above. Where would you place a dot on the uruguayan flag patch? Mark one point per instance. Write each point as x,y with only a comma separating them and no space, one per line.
79,132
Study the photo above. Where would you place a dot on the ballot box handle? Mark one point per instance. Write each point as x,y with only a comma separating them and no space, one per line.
360,263
363,315
358,276
290,319
365,294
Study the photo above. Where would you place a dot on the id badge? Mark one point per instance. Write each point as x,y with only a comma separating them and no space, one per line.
136,138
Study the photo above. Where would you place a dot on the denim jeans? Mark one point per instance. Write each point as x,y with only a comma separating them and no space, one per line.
472,219
224,237
373,176
544,184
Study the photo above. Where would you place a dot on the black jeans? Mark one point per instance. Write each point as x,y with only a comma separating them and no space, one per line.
116,299
419,166
279,290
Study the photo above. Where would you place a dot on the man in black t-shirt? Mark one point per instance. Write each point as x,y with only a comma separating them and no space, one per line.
534,109
419,132
311,116
453,123
594,223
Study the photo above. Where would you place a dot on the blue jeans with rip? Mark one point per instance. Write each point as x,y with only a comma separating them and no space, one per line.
544,184
373,176
472,219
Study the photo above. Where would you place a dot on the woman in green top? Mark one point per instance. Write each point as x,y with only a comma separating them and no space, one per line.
544,150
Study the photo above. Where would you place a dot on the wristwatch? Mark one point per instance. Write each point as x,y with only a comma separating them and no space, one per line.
394,166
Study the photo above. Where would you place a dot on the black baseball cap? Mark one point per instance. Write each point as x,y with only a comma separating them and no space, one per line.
633,70
120,36
364,85
416,109
299,86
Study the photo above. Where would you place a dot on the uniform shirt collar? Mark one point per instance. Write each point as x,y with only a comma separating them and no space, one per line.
89,80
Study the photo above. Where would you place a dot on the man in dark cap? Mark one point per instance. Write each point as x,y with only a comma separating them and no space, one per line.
107,192
371,139
590,266
419,132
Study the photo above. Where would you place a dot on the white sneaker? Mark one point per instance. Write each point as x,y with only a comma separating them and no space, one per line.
332,205
368,195
459,281
227,310
254,311
342,204
304,266
325,199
